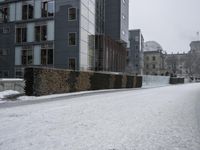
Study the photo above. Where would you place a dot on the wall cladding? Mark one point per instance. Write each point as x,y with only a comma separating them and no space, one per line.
177,81
12,84
45,81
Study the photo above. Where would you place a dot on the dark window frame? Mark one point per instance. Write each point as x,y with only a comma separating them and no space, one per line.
45,8
27,56
72,40
43,33
27,10
21,34
45,56
71,16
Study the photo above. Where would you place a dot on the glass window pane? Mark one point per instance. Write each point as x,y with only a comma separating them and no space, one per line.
72,14
43,33
43,57
50,56
51,8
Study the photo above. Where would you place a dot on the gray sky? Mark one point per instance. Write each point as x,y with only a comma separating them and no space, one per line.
172,23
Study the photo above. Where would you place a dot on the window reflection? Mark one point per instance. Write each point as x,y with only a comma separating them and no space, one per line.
48,8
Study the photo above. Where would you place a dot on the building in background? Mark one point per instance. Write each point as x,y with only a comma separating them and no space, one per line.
176,64
193,60
111,35
154,59
135,62
61,34
185,64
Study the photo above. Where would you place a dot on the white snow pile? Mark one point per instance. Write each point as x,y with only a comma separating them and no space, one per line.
15,79
4,94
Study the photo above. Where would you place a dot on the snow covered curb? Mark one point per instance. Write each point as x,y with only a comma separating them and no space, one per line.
9,93
27,98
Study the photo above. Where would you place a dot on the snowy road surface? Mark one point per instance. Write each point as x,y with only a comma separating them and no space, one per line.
166,118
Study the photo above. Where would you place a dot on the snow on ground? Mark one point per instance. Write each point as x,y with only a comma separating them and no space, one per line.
6,93
166,118
30,98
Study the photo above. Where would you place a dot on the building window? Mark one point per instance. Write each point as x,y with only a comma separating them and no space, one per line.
48,8
147,66
137,38
46,56
71,14
72,63
153,58
27,10
27,56
21,34
3,52
4,14
154,66
72,39
19,72
41,33
136,47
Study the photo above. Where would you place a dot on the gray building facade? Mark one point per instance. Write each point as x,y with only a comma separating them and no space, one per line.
54,33
117,19
135,62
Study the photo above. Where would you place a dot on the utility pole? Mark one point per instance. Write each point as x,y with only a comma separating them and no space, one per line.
198,38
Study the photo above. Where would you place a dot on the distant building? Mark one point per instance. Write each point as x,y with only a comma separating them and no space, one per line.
176,64
154,59
62,34
135,61
193,61
195,46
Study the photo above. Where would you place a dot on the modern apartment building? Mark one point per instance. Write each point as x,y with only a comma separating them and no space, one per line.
56,33
135,54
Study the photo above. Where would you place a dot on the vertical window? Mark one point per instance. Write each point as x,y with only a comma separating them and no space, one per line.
21,34
72,39
136,38
72,63
19,72
153,58
71,14
48,8
41,33
154,66
27,10
27,56
136,47
47,55
4,14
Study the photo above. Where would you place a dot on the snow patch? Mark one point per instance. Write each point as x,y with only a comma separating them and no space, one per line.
4,94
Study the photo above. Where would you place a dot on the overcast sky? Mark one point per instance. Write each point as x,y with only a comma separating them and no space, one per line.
172,23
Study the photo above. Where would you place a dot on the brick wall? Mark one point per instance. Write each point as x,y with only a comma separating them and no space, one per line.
44,81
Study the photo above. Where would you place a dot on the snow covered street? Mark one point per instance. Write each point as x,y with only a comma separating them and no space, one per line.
165,118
